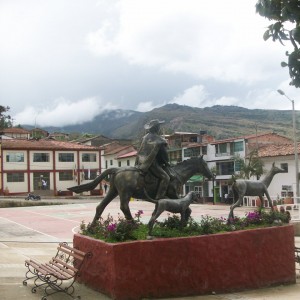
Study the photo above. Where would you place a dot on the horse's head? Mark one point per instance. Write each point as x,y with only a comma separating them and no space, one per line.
204,169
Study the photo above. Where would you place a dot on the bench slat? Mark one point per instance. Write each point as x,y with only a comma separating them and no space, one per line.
59,261
70,253
60,272
72,249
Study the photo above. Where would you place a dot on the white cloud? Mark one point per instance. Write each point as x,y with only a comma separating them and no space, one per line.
227,101
195,96
62,112
193,37
145,106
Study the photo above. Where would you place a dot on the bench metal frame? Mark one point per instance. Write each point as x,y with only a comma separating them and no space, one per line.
59,274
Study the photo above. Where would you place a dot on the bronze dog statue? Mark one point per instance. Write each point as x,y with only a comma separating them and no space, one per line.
180,206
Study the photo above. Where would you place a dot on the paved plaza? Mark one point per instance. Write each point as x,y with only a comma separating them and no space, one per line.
34,232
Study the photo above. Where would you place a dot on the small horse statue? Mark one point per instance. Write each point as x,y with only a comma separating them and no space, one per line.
241,188
130,182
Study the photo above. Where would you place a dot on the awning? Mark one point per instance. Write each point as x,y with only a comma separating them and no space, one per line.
196,178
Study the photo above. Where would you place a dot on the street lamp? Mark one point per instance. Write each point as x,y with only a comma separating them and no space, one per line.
295,142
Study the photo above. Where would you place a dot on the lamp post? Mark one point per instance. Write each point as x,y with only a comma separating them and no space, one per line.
295,142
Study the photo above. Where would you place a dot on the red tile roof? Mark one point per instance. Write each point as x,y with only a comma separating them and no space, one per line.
43,144
277,150
115,148
129,154
15,130
248,137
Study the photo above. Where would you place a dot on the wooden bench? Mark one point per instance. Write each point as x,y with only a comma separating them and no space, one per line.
59,274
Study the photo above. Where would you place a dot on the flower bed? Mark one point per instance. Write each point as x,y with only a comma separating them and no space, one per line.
174,267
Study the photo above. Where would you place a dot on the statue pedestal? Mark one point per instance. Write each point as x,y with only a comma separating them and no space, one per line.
178,267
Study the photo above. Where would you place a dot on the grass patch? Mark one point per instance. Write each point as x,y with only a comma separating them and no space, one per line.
14,203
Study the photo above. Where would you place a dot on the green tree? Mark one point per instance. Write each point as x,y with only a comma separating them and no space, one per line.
252,166
5,119
285,14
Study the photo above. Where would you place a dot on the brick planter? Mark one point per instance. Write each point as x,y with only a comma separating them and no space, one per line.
190,266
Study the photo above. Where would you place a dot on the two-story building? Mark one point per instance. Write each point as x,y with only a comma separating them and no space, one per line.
26,163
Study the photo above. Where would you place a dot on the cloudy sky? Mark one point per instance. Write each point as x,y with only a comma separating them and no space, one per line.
64,61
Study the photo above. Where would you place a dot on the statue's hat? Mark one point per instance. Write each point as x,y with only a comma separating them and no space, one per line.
153,123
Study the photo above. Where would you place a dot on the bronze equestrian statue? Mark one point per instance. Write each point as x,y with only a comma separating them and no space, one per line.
130,182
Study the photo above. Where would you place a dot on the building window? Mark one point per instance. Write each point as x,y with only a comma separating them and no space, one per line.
191,152
238,146
66,157
90,174
119,164
41,157
128,162
106,164
111,162
15,177
223,148
237,166
88,157
204,150
65,176
15,157
285,167
225,168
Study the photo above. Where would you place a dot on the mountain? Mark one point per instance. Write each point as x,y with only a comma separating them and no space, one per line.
219,121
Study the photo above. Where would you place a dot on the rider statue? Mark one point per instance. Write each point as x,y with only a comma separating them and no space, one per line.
153,157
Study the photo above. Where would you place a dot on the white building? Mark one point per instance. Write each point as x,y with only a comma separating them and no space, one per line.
25,163
283,184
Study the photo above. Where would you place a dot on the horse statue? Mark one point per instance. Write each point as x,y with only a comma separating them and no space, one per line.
130,182
241,188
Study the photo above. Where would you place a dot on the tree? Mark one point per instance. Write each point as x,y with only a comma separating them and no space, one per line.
285,13
5,120
253,166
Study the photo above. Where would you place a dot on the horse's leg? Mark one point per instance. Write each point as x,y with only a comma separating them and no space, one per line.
156,213
151,221
124,205
112,193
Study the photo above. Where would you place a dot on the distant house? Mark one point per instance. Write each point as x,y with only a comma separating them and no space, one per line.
16,132
179,140
25,163
59,136
114,155
38,133
127,159
95,141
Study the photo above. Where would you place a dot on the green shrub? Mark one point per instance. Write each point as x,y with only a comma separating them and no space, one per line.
120,230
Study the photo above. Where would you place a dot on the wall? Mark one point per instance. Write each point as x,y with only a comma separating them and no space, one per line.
178,267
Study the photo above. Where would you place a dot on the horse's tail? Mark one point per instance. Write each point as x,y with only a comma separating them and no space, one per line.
91,185
149,198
